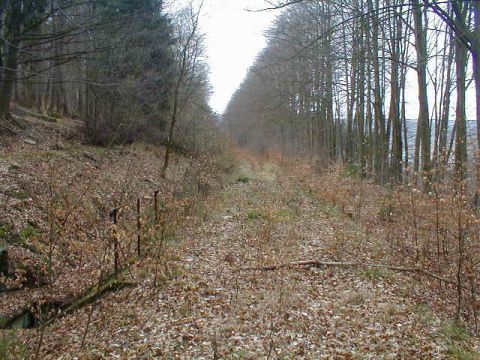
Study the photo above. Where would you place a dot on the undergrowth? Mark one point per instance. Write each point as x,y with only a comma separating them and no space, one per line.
457,337
402,226
11,347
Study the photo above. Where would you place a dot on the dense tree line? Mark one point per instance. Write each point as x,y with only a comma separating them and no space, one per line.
124,66
333,82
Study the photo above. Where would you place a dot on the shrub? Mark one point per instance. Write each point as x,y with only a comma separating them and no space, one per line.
226,162
11,348
352,170
28,232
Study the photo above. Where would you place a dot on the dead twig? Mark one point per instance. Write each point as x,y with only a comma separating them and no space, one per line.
315,263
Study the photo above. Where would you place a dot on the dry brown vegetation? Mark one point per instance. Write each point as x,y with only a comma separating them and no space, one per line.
437,232
57,233
199,288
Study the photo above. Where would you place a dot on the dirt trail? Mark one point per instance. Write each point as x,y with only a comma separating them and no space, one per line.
211,310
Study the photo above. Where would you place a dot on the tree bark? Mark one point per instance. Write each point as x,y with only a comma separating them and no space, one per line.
11,61
460,116
423,130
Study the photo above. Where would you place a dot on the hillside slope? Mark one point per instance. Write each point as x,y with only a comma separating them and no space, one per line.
57,197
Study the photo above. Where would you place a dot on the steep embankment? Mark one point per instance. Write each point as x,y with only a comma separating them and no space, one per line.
212,304
56,202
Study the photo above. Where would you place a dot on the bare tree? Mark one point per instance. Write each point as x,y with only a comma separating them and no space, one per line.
189,50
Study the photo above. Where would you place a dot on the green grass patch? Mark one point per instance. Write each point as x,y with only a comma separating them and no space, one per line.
385,212
243,179
5,231
9,236
376,274
17,194
329,209
55,115
11,348
454,332
100,151
352,170
254,215
284,215
460,353
457,337
28,232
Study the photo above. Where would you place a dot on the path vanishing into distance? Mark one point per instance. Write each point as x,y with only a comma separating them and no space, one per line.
213,305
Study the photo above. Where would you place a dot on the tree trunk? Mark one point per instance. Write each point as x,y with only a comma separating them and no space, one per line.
423,131
11,61
475,44
394,114
460,116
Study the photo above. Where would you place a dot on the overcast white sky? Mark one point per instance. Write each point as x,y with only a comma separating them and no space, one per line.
234,37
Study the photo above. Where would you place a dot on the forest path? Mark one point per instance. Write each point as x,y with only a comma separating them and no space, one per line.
211,310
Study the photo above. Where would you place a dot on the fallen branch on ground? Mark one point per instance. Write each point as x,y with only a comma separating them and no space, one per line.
4,129
314,263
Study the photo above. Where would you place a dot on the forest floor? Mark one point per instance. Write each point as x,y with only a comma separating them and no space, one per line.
209,298
213,307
